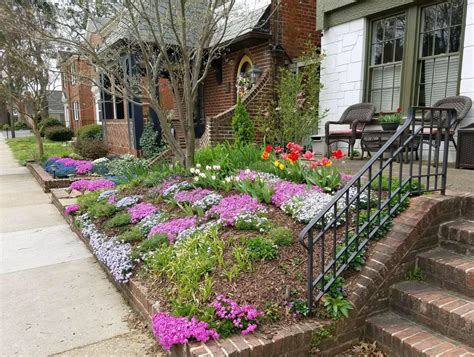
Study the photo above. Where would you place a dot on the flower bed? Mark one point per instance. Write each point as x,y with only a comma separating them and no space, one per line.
217,250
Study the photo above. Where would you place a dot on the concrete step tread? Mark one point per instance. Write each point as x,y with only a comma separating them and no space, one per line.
405,337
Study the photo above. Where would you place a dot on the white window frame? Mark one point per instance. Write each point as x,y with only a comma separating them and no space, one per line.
73,73
75,110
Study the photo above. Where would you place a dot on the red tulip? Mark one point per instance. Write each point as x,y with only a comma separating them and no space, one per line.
293,156
278,149
337,154
269,148
398,110
308,155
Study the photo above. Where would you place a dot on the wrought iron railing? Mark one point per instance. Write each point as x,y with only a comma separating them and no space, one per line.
364,207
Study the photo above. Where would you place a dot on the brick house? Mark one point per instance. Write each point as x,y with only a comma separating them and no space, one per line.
395,53
275,36
80,108
278,37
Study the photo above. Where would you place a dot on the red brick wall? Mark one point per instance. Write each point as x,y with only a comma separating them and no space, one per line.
297,24
80,92
117,138
220,97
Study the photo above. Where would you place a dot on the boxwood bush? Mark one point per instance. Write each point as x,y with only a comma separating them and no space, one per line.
58,133
47,123
91,131
90,148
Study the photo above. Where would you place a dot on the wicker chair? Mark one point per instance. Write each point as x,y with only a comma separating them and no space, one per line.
356,116
461,104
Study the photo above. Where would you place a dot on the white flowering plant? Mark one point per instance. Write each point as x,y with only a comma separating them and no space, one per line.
207,176
247,221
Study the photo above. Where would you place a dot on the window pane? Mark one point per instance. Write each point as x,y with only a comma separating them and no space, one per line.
375,98
389,29
377,54
442,15
422,95
388,77
441,42
453,68
400,27
377,35
457,9
438,92
398,49
386,105
377,78
398,75
428,20
426,44
440,73
454,39
396,98
388,52
451,89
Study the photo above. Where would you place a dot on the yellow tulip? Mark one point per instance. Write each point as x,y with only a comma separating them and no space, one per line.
276,163
282,167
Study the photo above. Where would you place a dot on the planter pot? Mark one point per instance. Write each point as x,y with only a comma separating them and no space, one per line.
390,126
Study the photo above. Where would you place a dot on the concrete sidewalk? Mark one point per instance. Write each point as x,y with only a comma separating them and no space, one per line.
54,297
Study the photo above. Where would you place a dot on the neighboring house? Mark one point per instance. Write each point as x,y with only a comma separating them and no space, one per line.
77,97
395,53
277,37
55,105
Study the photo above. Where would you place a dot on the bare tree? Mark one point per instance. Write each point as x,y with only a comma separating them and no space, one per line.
175,39
25,57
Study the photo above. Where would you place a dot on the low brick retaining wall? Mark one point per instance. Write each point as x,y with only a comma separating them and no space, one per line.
45,180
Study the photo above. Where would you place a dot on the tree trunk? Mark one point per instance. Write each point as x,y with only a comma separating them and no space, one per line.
39,141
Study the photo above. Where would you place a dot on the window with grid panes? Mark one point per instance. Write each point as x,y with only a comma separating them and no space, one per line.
438,56
386,59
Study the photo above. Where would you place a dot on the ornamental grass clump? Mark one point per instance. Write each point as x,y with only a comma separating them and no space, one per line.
171,330
141,211
230,207
173,227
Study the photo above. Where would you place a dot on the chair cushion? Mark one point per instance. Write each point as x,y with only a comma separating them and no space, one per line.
346,132
426,131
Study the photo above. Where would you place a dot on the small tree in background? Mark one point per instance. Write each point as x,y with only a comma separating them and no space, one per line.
298,99
242,125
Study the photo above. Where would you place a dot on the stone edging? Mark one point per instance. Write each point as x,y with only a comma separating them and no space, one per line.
45,180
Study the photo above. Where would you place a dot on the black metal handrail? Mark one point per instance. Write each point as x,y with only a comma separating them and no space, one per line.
375,194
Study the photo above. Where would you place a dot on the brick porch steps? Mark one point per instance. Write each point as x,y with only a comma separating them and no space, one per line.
458,235
449,270
402,337
447,312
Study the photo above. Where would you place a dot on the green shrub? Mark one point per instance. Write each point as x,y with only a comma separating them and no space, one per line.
88,200
58,133
262,248
102,210
90,148
281,236
6,127
132,235
20,125
242,125
120,219
91,131
150,141
47,123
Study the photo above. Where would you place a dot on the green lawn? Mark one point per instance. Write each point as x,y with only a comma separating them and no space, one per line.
25,149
